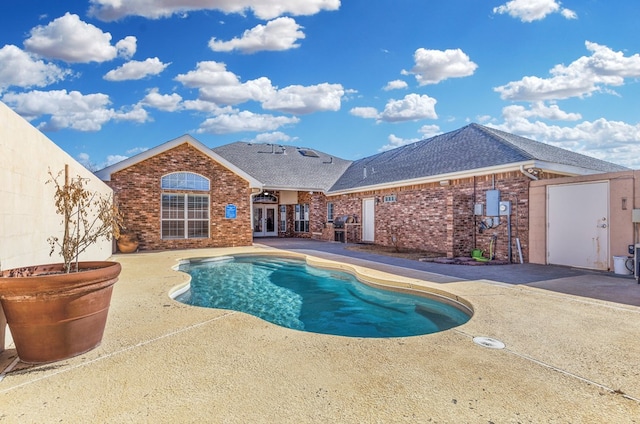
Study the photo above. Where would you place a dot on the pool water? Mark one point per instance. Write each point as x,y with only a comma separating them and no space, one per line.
292,294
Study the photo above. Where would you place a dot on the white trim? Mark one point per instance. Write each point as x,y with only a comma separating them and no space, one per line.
105,174
511,167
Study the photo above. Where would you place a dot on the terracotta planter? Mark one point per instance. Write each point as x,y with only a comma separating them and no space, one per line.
127,243
54,316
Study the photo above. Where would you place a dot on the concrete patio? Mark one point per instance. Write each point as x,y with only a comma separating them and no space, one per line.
568,358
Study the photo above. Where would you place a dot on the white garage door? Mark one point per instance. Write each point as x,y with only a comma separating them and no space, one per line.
578,225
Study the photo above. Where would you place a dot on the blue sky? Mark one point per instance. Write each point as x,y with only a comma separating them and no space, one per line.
354,77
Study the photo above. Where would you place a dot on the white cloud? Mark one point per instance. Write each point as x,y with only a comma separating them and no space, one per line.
208,73
258,90
244,121
429,131
273,137
426,131
127,47
70,109
613,141
433,66
299,99
276,35
540,110
411,108
72,40
533,10
136,150
204,106
135,70
365,112
395,141
135,114
21,69
569,14
582,77
166,102
222,87
111,10
113,159
395,85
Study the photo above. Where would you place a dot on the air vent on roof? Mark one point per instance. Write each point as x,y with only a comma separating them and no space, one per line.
308,153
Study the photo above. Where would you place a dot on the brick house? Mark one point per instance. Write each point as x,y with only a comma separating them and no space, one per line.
182,195
443,194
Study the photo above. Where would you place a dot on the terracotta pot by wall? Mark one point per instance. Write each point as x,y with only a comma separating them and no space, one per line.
53,315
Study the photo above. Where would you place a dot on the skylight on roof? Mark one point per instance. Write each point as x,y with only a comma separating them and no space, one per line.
308,153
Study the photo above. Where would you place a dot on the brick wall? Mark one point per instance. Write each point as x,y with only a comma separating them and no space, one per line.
138,193
441,219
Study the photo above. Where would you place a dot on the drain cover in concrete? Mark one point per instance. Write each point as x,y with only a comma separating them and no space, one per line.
489,342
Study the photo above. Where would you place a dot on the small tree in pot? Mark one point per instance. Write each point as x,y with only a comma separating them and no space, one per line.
57,311
81,229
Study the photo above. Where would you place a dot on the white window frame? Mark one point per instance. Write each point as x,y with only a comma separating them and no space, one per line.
283,218
329,211
301,220
184,218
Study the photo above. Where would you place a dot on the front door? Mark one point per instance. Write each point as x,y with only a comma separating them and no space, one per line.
578,225
264,221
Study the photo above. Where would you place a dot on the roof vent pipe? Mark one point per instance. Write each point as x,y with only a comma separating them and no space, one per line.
364,172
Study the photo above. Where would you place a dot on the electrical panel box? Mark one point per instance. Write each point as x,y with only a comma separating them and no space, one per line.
505,208
493,203
635,215
478,209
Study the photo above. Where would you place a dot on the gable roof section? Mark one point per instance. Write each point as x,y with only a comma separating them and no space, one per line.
105,174
473,147
281,167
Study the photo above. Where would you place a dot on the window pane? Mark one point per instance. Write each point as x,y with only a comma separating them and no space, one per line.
198,229
172,206
172,229
185,181
198,207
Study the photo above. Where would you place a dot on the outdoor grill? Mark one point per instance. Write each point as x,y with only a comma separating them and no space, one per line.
339,226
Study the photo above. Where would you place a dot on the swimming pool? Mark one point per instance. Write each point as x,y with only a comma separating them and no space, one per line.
290,293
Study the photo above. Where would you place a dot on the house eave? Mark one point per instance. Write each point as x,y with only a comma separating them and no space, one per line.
511,167
105,173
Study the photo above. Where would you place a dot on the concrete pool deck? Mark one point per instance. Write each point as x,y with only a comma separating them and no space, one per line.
568,358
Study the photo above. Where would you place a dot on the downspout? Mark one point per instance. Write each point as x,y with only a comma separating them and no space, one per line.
525,173
534,178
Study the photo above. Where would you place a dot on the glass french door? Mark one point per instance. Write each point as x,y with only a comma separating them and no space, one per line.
265,223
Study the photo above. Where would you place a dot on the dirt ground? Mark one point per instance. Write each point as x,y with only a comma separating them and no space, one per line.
422,255
415,255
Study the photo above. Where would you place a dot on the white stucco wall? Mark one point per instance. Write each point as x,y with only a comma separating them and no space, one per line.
27,211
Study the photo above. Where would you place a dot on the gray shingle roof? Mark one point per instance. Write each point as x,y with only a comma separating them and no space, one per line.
471,147
285,167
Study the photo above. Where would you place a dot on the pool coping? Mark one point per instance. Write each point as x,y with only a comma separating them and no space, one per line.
365,275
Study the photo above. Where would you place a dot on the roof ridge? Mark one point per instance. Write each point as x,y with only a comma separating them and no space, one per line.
498,136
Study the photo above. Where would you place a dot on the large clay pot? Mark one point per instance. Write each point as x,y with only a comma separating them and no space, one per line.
53,315
127,243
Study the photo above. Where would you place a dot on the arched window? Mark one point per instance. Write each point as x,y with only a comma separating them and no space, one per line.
184,181
184,215
265,198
